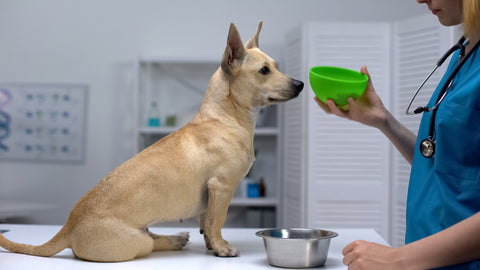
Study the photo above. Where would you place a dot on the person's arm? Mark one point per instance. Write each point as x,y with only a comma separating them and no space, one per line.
401,137
457,244
369,110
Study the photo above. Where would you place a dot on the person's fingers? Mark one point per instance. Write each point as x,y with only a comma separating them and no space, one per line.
322,105
364,70
335,110
347,259
352,104
348,248
351,101
348,255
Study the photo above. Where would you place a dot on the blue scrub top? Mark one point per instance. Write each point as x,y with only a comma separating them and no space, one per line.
445,189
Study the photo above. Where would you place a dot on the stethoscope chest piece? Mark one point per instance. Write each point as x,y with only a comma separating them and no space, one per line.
427,147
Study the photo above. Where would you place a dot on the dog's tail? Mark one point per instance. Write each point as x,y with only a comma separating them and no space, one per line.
58,243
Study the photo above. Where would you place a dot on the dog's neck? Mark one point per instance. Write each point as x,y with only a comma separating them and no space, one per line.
219,104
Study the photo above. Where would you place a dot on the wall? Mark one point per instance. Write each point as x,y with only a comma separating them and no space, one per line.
96,42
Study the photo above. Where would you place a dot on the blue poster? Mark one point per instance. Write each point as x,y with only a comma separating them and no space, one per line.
42,122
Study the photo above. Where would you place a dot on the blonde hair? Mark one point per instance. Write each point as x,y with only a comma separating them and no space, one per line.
471,18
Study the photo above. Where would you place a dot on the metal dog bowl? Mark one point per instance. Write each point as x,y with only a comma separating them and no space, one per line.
296,248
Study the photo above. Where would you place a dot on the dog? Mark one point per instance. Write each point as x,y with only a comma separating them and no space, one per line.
191,172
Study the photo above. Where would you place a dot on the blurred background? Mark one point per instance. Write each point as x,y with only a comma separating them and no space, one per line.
107,57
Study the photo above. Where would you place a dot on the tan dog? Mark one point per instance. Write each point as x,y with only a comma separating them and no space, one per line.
192,172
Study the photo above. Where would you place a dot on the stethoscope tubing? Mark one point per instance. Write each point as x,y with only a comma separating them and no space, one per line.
458,45
419,109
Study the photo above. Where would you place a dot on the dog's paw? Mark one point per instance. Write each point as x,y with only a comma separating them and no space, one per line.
181,239
226,250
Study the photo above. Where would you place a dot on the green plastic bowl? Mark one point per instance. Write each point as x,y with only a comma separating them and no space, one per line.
337,84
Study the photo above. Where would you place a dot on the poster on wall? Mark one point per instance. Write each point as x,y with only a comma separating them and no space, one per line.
42,122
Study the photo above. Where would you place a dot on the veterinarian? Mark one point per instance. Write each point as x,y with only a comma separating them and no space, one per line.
443,219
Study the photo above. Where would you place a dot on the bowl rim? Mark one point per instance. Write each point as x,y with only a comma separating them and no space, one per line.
331,234
364,77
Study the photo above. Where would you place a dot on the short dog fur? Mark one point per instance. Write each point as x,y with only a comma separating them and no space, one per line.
191,172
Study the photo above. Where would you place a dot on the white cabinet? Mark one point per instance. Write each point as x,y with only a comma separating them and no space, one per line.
170,90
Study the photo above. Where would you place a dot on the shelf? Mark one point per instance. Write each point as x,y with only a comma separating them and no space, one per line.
179,60
257,202
14,209
158,130
266,131
259,131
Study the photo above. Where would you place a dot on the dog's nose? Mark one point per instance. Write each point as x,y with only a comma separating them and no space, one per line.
298,85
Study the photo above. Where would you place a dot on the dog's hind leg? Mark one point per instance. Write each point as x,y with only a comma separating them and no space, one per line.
168,242
110,241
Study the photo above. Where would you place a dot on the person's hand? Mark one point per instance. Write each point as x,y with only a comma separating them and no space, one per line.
368,109
368,255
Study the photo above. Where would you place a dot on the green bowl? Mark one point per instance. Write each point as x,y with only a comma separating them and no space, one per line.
337,83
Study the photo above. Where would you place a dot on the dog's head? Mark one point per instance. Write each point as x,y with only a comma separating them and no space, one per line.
254,78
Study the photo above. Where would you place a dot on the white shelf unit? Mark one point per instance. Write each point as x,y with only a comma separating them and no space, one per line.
177,86
255,202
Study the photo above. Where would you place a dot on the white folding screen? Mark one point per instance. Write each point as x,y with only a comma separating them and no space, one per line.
294,134
336,171
418,43
347,161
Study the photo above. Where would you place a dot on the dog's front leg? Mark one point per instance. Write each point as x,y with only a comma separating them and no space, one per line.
220,194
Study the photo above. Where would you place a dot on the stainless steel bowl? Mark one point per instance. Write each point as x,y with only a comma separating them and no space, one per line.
296,248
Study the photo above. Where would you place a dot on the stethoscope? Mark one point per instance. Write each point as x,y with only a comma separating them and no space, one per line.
427,145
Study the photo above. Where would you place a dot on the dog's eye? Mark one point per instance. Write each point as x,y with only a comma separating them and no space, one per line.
265,70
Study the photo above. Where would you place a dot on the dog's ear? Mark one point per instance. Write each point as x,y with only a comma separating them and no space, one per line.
253,41
234,52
